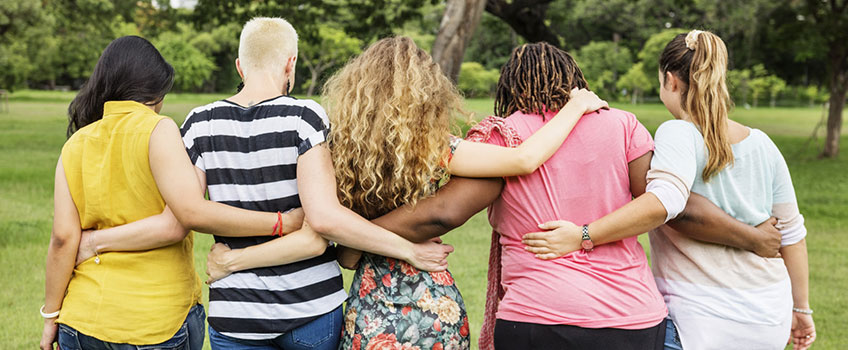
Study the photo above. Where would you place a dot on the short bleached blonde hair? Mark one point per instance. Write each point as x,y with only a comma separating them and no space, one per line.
266,43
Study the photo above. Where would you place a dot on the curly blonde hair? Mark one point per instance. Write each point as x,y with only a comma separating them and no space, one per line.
391,110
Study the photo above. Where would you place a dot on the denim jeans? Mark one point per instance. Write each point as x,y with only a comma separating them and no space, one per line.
672,339
188,337
320,334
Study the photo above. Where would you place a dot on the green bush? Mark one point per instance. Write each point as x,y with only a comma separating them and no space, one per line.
475,80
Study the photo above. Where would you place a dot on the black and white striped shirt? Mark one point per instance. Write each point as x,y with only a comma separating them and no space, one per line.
250,159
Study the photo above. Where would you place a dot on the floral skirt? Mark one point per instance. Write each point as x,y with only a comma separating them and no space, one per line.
392,305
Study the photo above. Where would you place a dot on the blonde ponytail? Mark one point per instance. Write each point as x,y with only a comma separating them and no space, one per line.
699,59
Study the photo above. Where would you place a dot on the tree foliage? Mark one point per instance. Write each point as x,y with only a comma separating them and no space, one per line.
475,80
329,49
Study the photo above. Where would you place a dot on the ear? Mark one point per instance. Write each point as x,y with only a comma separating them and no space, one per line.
671,81
290,64
238,68
289,72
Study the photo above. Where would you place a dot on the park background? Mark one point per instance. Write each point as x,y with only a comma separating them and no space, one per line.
788,63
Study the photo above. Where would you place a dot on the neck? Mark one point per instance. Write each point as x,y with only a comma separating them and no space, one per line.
259,88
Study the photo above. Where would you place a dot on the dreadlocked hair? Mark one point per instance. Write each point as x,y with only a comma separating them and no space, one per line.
537,78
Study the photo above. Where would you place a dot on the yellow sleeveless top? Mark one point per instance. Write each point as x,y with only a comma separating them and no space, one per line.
130,297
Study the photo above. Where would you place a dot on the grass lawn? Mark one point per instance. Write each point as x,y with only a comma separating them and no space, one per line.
31,137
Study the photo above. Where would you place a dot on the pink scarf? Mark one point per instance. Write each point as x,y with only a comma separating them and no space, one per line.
494,291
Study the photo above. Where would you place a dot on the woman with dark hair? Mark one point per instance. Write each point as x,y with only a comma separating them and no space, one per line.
124,162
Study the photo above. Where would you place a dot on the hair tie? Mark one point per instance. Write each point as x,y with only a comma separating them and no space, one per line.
692,39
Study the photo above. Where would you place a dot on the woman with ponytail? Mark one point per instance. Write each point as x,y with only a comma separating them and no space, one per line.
718,296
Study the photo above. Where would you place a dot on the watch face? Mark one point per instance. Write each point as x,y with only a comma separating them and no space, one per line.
587,244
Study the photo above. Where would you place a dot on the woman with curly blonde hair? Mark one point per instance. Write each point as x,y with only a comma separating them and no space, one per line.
391,111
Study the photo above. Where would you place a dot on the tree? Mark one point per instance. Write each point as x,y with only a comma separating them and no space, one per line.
23,24
527,18
458,24
331,48
776,86
602,62
192,66
738,82
635,81
649,56
830,24
475,80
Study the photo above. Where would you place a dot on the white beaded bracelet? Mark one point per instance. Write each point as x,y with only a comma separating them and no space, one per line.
803,311
50,315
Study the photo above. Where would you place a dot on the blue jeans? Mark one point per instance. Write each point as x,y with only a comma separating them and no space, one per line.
188,337
320,334
672,339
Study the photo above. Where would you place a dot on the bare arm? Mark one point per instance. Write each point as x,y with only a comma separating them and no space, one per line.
704,221
177,182
803,327
317,188
61,253
296,246
645,213
453,204
473,159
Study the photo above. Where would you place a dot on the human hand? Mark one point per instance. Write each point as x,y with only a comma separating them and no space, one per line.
767,245
48,335
292,220
803,331
431,256
86,247
562,237
216,266
586,101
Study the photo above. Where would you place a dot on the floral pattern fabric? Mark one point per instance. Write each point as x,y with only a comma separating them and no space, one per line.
394,306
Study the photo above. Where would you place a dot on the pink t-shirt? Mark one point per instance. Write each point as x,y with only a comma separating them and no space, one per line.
584,180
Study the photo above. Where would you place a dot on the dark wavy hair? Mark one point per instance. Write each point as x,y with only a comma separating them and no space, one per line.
130,68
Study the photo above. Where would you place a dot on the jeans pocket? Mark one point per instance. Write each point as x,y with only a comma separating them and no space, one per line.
177,342
68,338
316,332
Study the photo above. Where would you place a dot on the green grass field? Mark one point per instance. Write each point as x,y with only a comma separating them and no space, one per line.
32,134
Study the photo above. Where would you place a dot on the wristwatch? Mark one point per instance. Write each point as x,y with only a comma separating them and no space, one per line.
587,243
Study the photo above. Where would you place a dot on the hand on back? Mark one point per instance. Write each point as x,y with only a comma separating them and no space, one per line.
430,256
769,243
562,237
586,100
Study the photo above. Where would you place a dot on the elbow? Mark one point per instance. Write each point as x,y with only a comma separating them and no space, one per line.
448,220
527,164
64,239
175,233
317,247
325,227
188,218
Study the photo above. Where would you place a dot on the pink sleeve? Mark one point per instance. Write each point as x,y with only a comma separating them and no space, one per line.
493,130
638,139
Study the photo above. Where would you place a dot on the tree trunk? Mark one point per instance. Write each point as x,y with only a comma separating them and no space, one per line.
458,24
838,88
316,73
527,18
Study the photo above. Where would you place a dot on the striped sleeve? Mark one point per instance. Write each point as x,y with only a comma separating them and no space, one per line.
189,134
314,132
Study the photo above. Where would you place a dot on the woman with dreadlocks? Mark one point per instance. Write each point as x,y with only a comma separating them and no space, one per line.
600,297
